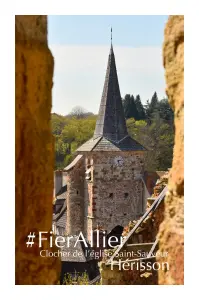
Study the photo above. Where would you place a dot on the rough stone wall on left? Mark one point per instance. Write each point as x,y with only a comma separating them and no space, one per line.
34,149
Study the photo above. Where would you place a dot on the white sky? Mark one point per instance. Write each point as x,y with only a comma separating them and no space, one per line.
79,74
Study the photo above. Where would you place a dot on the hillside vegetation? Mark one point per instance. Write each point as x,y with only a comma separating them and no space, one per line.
151,125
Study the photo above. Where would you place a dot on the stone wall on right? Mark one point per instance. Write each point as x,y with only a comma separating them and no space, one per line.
171,233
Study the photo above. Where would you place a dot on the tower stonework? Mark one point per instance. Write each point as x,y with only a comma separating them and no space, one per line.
114,195
74,176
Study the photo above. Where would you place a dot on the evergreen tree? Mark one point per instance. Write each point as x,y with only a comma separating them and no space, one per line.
166,113
146,109
154,101
134,111
127,106
140,108
130,109
152,107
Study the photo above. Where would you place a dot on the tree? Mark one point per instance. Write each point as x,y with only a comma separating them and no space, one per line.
154,101
140,108
73,133
158,138
130,109
146,109
162,142
68,135
78,112
60,152
57,123
152,107
126,105
166,113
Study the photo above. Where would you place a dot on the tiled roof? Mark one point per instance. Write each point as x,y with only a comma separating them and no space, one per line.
58,205
89,145
61,221
62,193
57,216
103,144
60,201
73,163
126,144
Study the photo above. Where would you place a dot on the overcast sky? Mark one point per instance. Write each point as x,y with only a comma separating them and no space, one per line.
80,46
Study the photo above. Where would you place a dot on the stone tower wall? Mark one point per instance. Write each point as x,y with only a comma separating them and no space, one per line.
75,198
115,193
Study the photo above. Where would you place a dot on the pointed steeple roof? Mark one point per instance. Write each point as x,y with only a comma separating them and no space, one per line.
110,131
111,122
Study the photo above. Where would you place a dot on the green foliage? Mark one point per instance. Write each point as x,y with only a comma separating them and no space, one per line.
133,108
151,108
158,138
69,134
161,108
166,113
79,113
130,109
57,123
77,279
140,108
151,125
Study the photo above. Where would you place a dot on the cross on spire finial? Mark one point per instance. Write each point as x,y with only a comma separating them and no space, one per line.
111,35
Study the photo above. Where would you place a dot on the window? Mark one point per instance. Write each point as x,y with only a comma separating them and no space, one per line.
126,195
88,174
111,195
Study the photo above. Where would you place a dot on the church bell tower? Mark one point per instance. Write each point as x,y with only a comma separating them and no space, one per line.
113,164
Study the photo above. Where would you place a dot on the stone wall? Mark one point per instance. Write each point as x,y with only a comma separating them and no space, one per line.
171,234
34,149
145,233
75,198
116,193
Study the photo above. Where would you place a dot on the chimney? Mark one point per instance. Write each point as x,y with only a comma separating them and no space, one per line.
57,181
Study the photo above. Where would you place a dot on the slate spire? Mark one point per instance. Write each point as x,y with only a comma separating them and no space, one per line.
111,122
110,131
